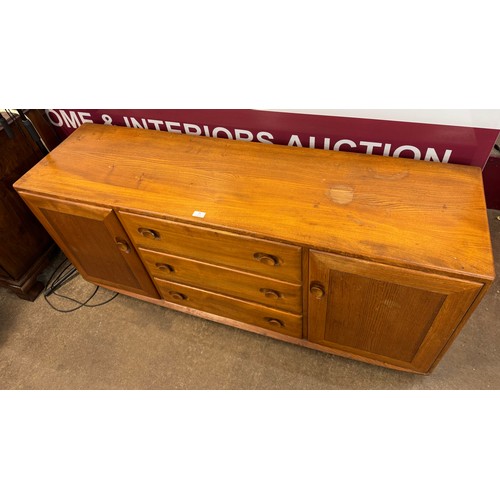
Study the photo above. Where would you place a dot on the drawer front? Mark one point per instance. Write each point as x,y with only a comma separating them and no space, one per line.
275,260
228,307
266,291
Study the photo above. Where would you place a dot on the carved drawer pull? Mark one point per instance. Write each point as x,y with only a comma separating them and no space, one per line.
265,258
165,267
178,295
122,245
271,294
317,290
275,322
149,233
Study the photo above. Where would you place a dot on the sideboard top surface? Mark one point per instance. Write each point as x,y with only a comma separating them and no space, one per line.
410,213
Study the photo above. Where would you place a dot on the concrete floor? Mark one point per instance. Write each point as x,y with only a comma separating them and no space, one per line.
130,344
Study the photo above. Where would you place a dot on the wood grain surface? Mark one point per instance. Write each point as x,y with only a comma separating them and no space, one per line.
229,307
268,258
411,213
247,286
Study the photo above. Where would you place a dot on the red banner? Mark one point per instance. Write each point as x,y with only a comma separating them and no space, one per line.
439,143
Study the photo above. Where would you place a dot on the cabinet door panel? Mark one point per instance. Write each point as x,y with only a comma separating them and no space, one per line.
96,243
395,315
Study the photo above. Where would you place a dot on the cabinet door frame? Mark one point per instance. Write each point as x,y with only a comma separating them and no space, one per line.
109,219
459,295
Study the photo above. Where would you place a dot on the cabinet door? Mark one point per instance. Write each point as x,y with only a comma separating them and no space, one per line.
95,242
396,316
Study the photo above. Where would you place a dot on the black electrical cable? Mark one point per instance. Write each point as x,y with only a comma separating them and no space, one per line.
27,129
54,282
64,275
15,120
81,304
35,136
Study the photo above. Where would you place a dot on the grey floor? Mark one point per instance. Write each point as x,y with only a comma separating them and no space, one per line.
130,344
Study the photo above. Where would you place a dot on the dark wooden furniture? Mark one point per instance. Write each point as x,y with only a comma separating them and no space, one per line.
25,246
377,259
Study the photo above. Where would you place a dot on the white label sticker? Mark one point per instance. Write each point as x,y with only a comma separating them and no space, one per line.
201,215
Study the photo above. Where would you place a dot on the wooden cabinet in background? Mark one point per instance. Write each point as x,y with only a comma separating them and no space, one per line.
377,259
25,246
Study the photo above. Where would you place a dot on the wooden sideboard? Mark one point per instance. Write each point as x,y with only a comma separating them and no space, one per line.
378,259
25,246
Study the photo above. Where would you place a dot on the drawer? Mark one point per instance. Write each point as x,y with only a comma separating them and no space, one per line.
275,260
229,307
266,291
